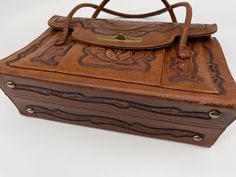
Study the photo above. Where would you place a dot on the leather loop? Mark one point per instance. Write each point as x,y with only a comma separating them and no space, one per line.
104,2
183,51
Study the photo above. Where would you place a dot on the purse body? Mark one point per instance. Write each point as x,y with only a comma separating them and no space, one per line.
125,76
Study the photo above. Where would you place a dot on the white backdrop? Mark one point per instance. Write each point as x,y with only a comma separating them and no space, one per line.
38,148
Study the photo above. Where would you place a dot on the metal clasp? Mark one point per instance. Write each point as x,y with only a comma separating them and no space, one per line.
120,38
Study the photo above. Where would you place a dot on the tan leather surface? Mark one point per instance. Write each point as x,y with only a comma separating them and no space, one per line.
143,67
158,67
44,68
191,74
120,123
118,103
154,35
164,80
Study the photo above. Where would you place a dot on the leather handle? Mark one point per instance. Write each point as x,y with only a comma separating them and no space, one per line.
124,15
183,50
104,3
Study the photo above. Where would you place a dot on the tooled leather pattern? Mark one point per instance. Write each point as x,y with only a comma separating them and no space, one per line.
34,47
186,70
102,120
122,60
214,70
119,103
53,54
108,27
129,28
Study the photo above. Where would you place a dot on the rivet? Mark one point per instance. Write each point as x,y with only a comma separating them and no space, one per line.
214,114
11,84
197,138
30,110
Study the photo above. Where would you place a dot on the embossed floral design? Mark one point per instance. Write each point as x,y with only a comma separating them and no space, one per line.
122,60
185,70
52,55
129,28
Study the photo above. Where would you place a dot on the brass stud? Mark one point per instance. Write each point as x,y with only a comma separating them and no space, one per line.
11,84
214,114
30,110
197,138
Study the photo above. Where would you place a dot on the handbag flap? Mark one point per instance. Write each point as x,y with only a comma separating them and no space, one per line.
128,34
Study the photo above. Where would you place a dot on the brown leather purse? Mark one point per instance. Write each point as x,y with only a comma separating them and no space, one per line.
162,80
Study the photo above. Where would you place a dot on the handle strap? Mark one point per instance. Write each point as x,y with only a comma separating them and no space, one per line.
104,3
124,15
183,51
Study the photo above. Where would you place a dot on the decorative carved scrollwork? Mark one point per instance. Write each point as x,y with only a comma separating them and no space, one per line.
102,120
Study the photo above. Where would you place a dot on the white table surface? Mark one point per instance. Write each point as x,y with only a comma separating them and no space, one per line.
39,148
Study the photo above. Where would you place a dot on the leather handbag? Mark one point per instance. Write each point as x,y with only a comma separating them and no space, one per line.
155,79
